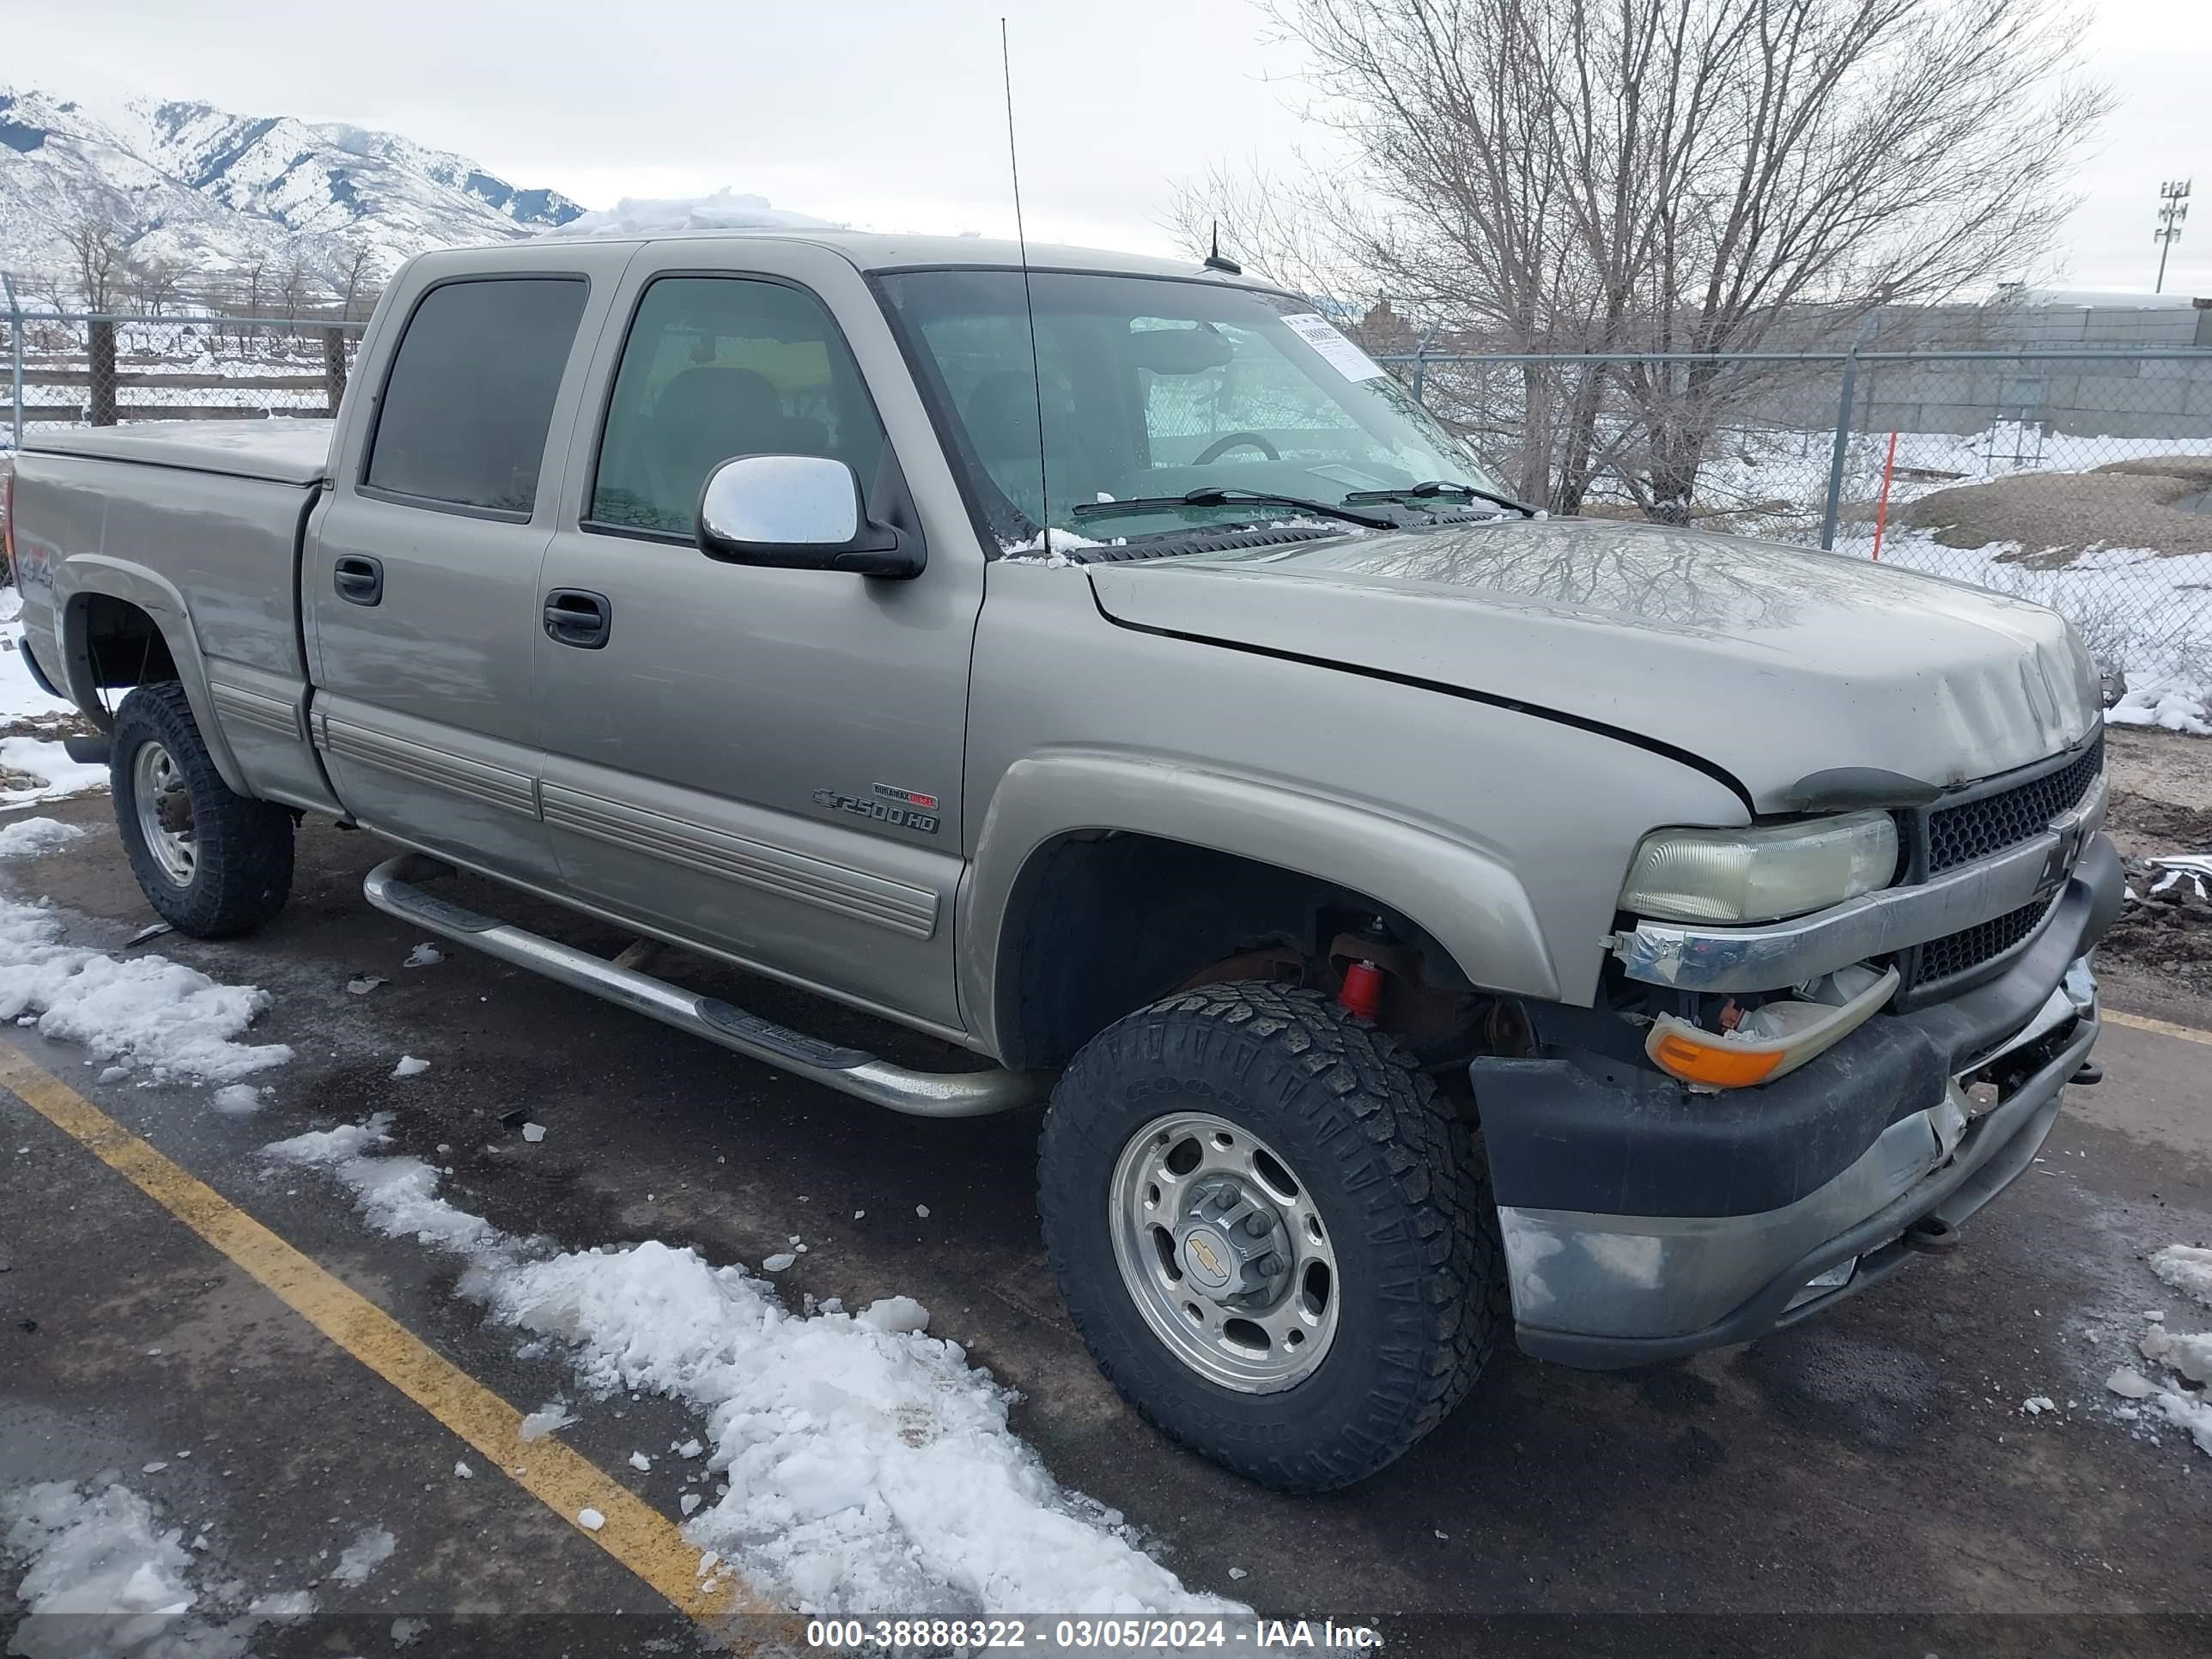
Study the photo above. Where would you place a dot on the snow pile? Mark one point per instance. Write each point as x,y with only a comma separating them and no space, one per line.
726,209
148,1012
869,1465
104,1580
2187,1268
53,774
33,838
2168,701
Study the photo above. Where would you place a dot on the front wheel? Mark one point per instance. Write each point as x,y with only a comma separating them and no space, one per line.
211,862
1271,1232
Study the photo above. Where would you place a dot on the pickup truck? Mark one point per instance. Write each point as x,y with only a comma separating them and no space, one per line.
1427,919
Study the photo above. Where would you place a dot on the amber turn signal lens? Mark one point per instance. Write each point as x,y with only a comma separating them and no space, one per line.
1717,1065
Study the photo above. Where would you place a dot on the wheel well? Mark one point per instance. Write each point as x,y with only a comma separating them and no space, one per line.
119,644
1103,923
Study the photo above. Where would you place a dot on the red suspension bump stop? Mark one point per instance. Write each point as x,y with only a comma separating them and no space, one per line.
1363,989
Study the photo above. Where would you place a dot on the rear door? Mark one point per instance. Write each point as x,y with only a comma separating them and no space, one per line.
420,588
764,762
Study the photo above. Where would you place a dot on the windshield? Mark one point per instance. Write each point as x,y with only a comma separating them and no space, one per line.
1153,388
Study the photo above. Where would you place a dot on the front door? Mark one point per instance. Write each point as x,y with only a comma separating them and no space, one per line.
420,582
766,762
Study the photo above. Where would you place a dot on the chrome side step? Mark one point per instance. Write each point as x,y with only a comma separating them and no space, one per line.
390,887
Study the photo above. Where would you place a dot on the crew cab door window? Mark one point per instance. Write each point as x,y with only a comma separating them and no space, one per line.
462,419
717,366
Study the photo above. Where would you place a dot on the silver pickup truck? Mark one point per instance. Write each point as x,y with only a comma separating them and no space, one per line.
1427,918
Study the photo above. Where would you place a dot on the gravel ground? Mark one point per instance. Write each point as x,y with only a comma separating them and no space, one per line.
2054,516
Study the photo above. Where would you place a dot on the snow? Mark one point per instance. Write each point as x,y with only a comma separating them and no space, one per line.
779,1261
422,956
47,764
2129,1383
238,1099
641,1463
590,1520
464,1471
31,838
159,1016
104,1579
371,1548
867,1464
544,1421
410,1067
726,209
2036,1404
1047,548
2189,1353
2187,1268
93,1554
534,1132
2169,701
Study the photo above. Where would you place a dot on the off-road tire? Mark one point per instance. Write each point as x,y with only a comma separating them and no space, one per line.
242,870
1402,1190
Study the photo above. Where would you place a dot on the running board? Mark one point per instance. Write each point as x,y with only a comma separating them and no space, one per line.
391,888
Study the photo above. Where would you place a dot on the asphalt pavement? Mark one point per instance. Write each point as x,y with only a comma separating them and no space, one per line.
1872,1481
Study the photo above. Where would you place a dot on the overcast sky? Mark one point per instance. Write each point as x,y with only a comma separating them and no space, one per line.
887,113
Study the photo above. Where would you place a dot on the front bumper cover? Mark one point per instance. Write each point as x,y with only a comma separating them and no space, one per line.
1643,1221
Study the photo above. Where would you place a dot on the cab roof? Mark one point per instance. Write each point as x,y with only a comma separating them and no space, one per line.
896,251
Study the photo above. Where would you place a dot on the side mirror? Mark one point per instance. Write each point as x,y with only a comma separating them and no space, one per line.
797,513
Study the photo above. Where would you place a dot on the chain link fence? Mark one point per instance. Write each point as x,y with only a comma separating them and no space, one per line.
2079,478
105,370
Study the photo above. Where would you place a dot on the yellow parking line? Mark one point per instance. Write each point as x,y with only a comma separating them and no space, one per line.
2163,1027
635,1533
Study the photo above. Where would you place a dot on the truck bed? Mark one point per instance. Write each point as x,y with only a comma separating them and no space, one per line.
276,451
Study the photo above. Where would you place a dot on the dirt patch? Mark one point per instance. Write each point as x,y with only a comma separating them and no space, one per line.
2056,516
2168,934
2161,805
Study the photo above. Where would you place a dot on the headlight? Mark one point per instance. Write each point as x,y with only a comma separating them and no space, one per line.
1760,875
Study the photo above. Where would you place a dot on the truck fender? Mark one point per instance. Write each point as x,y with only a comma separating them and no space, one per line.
1473,905
81,576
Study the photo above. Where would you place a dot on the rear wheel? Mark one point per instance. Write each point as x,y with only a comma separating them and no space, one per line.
211,862
1272,1232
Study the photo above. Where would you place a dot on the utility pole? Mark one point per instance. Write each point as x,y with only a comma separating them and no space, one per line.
2172,208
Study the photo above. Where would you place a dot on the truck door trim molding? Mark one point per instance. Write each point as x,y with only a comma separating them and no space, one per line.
864,896
257,709
493,786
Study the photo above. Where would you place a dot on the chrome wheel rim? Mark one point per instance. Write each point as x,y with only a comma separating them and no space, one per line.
165,812
1223,1250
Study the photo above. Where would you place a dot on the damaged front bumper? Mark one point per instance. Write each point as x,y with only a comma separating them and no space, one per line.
1643,1221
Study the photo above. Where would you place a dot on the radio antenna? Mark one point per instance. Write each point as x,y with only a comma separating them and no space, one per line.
1029,301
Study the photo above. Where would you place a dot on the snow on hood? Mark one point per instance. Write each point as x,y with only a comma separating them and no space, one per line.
726,209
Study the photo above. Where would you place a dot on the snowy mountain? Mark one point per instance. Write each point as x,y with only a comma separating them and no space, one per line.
213,193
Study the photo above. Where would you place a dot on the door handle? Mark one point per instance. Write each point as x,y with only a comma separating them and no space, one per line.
359,579
575,616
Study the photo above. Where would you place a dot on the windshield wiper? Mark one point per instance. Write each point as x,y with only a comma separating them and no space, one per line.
1436,487
1220,495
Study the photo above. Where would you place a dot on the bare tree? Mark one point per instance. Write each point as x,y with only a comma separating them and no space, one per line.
99,240
1683,176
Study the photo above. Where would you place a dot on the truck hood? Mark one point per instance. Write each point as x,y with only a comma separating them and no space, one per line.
1813,679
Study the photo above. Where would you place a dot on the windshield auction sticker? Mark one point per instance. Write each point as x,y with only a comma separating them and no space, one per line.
1346,358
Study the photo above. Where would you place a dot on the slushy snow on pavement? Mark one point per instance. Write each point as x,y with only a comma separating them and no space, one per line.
104,1579
869,1466
154,1016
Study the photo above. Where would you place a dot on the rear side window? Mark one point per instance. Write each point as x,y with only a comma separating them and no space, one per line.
717,366
470,397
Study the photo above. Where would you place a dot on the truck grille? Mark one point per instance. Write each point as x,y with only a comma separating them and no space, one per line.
1975,829
1970,947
